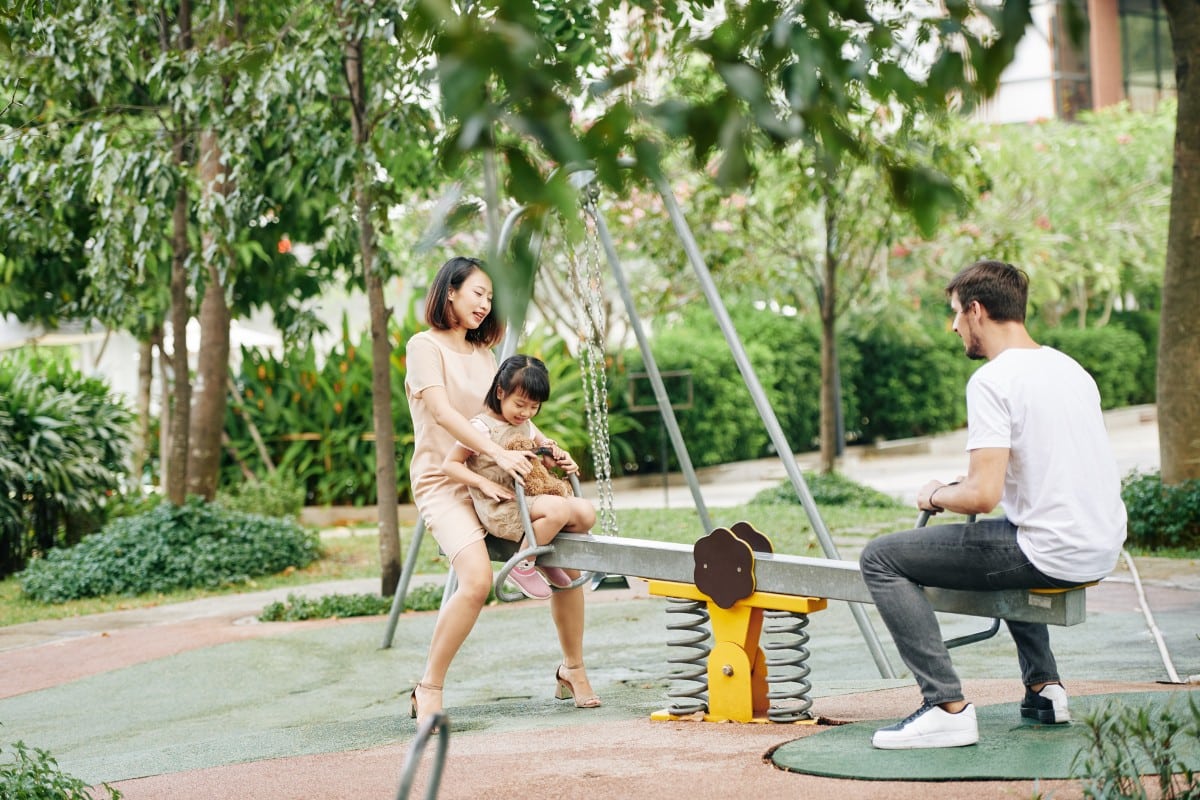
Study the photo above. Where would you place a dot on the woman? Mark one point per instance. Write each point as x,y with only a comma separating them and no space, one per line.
450,368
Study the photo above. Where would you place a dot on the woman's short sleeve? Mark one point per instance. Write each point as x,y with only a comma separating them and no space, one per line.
424,365
480,426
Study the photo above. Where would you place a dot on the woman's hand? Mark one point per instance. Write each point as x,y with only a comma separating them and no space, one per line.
515,462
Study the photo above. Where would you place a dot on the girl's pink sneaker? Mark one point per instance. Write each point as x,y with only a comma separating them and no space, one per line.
554,576
529,581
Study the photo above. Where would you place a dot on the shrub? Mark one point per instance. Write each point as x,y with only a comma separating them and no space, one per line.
278,494
897,381
1112,355
426,597
1145,324
316,420
63,440
1162,516
911,383
299,608
1125,743
35,775
722,423
828,489
795,347
171,547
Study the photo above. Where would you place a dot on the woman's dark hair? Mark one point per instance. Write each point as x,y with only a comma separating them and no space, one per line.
1000,288
524,374
437,304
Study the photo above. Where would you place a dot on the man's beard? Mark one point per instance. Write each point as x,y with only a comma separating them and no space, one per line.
975,350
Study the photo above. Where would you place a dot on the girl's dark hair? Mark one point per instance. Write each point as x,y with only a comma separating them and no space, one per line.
437,304
524,374
1000,288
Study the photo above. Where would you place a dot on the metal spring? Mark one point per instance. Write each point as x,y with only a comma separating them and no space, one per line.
787,663
692,696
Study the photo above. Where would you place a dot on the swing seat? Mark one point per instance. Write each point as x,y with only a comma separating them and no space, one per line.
1040,598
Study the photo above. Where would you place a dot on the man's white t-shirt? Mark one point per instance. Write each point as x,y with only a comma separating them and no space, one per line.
1062,488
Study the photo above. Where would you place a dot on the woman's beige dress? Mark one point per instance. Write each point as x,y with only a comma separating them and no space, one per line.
444,504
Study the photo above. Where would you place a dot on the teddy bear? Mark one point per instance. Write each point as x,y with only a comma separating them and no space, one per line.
539,480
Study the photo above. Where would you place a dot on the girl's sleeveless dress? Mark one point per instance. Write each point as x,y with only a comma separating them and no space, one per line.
502,518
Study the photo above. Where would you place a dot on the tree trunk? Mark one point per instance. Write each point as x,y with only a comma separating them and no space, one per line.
385,447
829,373
381,349
212,372
212,367
1179,333
165,371
175,461
177,411
141,446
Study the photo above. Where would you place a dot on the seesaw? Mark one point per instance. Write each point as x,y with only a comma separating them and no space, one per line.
732,579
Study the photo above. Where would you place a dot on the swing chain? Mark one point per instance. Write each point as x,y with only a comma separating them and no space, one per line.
588,286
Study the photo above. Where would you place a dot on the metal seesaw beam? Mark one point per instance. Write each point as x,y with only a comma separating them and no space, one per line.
793,575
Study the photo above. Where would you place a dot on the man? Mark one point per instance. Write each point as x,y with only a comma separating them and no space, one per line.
1037,447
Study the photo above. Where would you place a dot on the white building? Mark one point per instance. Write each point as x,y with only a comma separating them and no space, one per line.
1125,55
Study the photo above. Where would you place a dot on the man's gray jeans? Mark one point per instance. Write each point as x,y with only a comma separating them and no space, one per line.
975,556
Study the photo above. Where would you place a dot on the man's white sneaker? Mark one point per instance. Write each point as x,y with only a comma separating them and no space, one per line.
930,726
1048,705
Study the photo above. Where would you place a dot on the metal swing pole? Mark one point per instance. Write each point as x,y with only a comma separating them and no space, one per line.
765,412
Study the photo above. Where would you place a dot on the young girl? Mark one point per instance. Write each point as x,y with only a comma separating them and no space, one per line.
518,390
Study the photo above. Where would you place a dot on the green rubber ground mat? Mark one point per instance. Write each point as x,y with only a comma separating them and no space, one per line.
1009,748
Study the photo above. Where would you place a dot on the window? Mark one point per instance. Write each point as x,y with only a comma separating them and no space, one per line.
1147,62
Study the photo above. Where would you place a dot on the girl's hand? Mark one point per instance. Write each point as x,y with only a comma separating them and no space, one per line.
564,461
558,457
495,491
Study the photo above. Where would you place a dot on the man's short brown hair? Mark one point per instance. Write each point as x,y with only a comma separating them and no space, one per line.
999,287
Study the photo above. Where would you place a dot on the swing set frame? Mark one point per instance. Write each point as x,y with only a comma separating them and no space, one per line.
583,178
